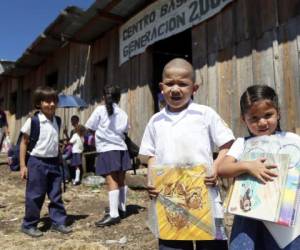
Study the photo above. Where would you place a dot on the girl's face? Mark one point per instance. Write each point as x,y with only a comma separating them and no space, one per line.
48,108
262,118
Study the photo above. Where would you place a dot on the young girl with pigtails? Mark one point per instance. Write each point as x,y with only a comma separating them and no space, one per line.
261,114
110,124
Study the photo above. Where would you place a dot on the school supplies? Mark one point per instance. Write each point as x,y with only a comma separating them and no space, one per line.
251,198
288,144
183,209
284,235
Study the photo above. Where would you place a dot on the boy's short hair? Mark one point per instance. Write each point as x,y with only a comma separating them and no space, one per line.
43,94
75,117
179,62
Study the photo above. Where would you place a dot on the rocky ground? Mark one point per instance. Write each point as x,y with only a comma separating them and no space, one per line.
85,205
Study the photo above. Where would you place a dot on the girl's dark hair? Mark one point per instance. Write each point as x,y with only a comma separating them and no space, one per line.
258,93
44,93
112,94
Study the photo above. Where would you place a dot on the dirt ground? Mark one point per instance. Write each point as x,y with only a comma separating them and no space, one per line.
84,206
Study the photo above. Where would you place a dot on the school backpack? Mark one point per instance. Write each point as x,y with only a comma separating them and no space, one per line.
14,151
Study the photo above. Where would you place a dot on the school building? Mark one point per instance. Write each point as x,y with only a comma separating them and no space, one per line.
231,43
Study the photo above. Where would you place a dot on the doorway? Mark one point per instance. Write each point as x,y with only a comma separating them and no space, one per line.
179,45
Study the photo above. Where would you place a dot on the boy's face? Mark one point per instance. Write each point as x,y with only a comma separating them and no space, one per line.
74,121
177,87
48,108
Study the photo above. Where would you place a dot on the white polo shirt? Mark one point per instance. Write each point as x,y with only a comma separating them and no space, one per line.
109,129
77,143
187,137
47,144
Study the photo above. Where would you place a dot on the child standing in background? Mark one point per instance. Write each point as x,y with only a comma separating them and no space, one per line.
77,141
74,123
260,112
110,123
197,127
42,170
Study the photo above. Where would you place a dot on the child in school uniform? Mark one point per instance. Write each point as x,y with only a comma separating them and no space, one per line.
74,123
183,127
110,124
261,114
77,141
66,154
42,170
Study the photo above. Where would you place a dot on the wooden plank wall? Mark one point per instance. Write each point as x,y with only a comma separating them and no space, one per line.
134,78
74,64
249,42
7,87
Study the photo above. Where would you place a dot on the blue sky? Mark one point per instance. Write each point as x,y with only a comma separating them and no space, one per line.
22,21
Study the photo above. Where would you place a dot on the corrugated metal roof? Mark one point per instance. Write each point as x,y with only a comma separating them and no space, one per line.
4,64
75,25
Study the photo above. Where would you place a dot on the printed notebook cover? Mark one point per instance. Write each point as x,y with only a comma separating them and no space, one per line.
283,143
253,199
184,206
282,234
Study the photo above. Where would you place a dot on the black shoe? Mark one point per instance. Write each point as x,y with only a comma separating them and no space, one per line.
33,231
61,228
76,183
99,222
107,221
122,213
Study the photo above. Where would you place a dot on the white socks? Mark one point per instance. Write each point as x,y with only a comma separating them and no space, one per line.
77,175
113,203
122,198
117,200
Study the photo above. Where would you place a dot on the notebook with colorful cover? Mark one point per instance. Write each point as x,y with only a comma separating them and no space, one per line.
282,143
184,206
251,198
289,143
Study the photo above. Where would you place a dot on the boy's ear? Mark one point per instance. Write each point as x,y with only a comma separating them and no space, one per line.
242,118
195,88
161,86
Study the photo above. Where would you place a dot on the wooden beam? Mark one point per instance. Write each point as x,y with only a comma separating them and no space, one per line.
36,53
111,5
111,17
65,38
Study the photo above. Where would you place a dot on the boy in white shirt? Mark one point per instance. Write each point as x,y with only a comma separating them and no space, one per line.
185,133
42,170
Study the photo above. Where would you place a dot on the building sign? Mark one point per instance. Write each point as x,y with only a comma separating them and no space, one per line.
163,19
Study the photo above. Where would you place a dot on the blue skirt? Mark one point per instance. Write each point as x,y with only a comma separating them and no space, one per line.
76,160
112,161
250,234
